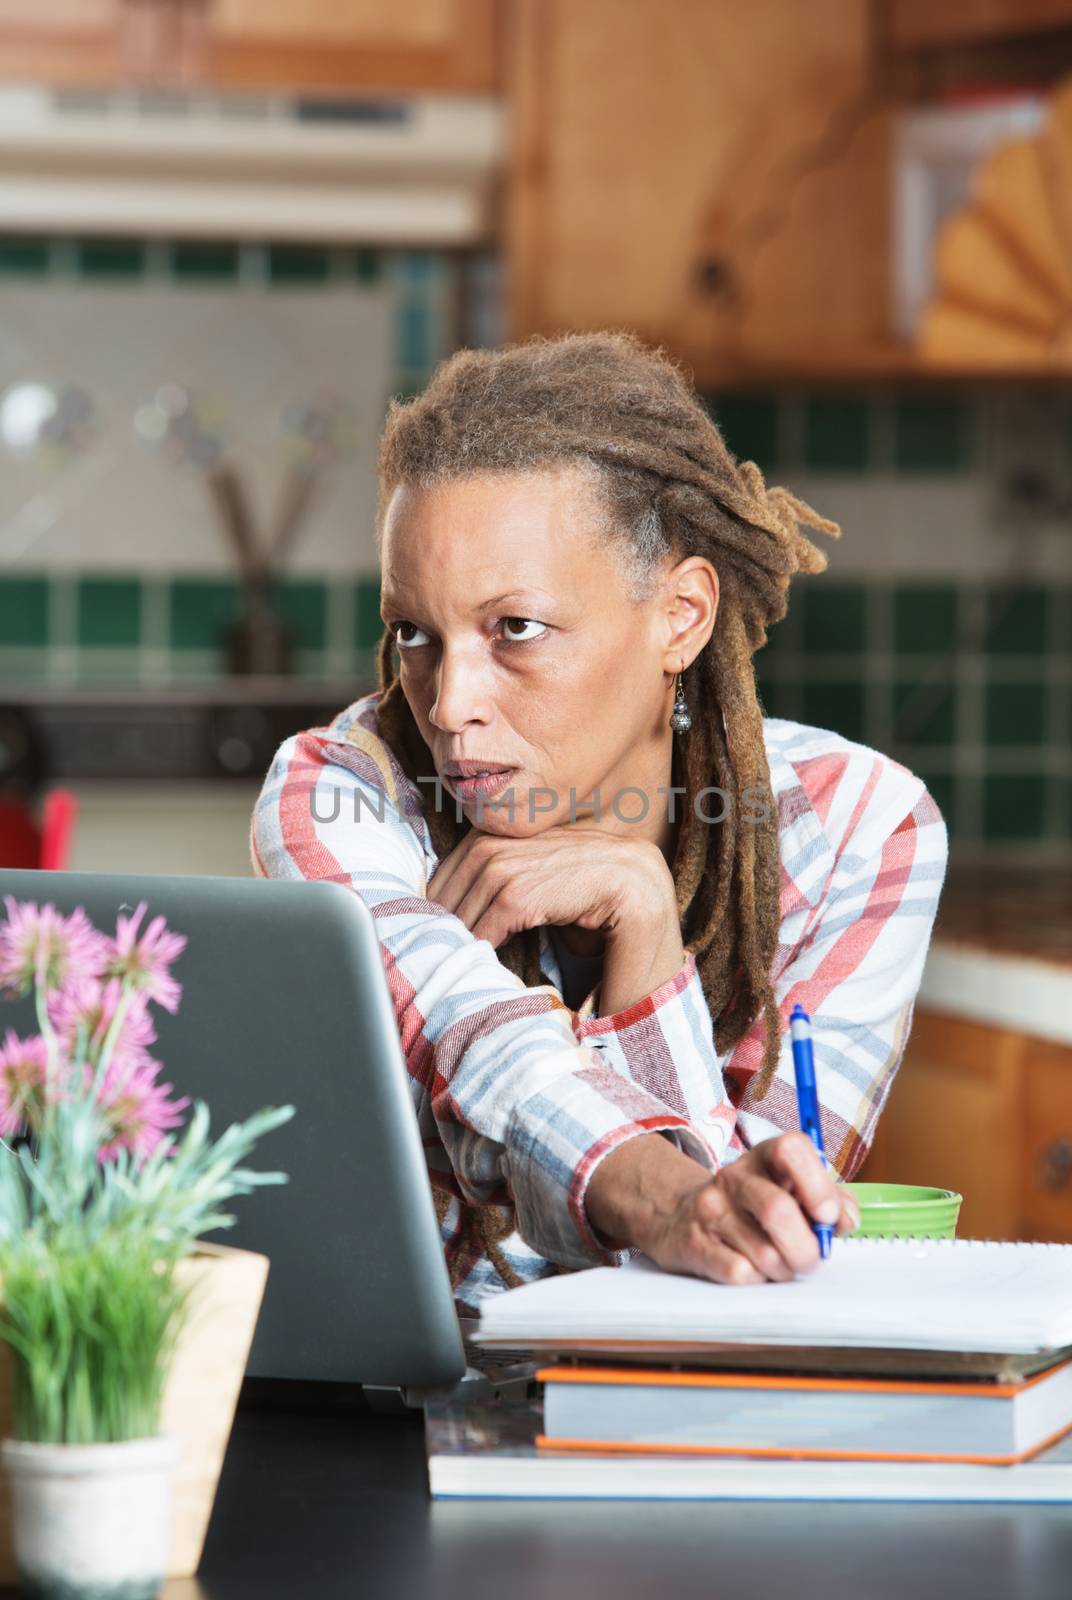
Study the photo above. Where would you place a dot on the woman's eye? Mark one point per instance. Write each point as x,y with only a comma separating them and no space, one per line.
508,626
529,622
405,644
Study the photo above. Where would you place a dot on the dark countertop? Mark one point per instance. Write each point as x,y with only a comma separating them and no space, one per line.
1009,910
337,1508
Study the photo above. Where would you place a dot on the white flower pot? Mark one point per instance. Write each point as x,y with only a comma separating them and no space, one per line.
91,1520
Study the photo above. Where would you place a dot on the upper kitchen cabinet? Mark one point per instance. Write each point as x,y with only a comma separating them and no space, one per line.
442,45
448,46
67,41
712,175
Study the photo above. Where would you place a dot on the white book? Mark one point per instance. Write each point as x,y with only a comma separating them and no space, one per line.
913,1294
488,1451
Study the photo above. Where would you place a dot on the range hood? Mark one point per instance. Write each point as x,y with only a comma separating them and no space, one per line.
418,170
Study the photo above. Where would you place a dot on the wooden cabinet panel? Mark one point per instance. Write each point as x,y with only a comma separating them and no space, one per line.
716,178
434,45
63,41
952,1120
445,45
1046,1177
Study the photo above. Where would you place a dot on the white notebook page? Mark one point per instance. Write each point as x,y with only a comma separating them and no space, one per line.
938,1294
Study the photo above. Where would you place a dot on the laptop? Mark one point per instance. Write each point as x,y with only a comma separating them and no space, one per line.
285,1001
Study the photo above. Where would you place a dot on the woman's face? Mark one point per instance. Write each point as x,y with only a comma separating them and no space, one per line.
520,649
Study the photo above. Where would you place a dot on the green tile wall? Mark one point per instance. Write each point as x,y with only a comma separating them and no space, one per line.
897,665
989,731
204,261
908,433
23,257
986,722
749,425
932,433
112,622
24,612
109,613
202,609
924,618
420,282
298,263
837,433
110,258
833,618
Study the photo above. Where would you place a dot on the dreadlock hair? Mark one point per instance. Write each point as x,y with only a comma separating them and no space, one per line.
631,421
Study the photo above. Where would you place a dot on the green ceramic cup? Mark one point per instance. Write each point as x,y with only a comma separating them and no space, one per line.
905,1210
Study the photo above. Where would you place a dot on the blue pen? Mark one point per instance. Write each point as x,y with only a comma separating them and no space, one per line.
808,1103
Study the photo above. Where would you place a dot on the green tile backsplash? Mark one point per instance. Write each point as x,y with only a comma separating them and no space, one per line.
749,425
202,609
368,624
24,612
304,605
109,613
24,257
837,432
924,618
990,732
1018,621
206,260
932,433
1014,806
110,258
833,617
298,263
1016,713
897,663
834,704
985,719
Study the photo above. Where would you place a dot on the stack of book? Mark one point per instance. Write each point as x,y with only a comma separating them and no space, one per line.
898,1369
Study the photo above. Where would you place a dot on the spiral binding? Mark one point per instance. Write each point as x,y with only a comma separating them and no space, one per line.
924,1238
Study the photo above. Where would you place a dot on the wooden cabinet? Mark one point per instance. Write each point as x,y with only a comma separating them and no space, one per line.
64,41
448,46
712,175
988,1113
440,45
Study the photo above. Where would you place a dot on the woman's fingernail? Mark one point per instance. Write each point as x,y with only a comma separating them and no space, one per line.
829,1211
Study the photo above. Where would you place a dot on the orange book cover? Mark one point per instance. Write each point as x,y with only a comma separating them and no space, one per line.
616,1376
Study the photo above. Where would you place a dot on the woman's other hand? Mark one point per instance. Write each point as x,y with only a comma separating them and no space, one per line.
750,1223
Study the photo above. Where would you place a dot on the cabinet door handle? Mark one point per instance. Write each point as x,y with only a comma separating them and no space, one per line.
1054,1165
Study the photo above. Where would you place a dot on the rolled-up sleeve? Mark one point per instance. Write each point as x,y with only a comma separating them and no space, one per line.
526,1101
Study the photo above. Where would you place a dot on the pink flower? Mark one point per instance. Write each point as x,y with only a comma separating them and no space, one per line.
22,1081
137,1109
40,945
91,1004
146,961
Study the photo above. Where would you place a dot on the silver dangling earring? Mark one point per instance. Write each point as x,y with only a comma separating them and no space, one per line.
680,720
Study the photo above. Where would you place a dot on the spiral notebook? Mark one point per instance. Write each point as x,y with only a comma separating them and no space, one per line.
937,1295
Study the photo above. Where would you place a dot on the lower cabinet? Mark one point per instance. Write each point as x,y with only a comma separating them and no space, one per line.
988,1113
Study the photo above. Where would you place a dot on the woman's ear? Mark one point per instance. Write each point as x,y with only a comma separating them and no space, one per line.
690,598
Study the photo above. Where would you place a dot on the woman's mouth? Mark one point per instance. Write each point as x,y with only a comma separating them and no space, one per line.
487,784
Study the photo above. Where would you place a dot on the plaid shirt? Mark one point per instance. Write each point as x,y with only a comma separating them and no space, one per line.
519,1097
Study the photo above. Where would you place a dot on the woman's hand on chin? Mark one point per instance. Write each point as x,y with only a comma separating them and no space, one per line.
750,1223
570,873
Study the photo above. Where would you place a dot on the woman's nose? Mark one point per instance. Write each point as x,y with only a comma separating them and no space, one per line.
460,696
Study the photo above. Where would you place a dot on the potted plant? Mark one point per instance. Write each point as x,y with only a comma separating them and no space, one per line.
101,1199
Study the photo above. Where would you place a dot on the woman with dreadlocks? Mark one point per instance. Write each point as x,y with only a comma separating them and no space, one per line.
595,935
